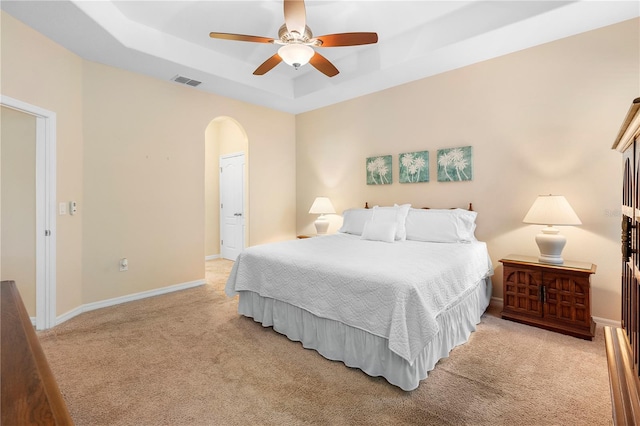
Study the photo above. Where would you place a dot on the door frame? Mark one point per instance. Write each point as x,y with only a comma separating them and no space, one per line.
244,207
46,123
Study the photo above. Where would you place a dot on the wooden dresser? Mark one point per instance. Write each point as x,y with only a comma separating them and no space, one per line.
623,344
554,297
29,392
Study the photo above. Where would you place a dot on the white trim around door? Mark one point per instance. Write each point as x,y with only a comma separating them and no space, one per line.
45,209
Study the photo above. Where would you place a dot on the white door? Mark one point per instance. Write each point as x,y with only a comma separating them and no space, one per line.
231,205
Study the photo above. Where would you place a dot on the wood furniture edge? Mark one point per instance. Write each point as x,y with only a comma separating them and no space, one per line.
21,328
570,330
631,113
624,386
592,270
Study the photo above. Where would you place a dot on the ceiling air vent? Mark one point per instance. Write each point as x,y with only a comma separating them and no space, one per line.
185,80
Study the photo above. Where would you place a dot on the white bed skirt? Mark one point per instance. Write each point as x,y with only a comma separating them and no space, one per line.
360,349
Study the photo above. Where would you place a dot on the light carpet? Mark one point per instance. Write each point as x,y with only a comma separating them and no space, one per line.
188,358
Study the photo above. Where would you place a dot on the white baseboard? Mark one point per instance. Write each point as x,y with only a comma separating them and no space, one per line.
498,302
607,322
128,298
68,315
212,257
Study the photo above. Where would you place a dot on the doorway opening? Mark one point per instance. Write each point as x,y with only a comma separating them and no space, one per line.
226,145
45,210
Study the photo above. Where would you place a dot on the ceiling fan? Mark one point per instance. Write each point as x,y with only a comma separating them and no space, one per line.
297,42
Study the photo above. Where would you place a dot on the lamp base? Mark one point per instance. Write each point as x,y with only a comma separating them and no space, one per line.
551,260
322,224
551,242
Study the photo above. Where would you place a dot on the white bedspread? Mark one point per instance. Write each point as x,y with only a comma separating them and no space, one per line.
393,290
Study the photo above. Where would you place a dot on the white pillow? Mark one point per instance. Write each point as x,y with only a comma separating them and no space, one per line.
354,220
397,214
441,226
379,231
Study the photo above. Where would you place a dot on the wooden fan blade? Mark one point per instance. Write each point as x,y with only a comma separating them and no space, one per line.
268,65
241,37
295,16
323,65
347,39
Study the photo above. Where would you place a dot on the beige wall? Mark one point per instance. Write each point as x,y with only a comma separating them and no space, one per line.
224,136
144,178
18,213
37,71
131,153
540,121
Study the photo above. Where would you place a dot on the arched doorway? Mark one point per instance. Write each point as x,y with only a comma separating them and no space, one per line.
224,138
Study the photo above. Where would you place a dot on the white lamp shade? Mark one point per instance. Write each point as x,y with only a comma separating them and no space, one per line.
551,210
321,205
296,55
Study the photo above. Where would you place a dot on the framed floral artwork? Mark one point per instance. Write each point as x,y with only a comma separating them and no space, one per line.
414,167
455,164
379,170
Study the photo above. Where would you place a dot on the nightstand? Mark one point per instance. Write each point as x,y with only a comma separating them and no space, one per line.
303,236
553,297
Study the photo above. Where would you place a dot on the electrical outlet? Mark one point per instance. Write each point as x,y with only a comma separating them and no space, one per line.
124,264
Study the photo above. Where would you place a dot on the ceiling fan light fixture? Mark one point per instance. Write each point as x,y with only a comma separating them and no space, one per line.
295,54
297,42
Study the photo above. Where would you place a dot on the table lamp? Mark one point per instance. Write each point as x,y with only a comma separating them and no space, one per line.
321,206
551,210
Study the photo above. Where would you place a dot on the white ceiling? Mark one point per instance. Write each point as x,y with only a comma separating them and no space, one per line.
417,39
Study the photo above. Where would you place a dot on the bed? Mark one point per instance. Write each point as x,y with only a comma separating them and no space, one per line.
393,292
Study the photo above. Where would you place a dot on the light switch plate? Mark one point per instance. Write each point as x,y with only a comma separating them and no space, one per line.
62,209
